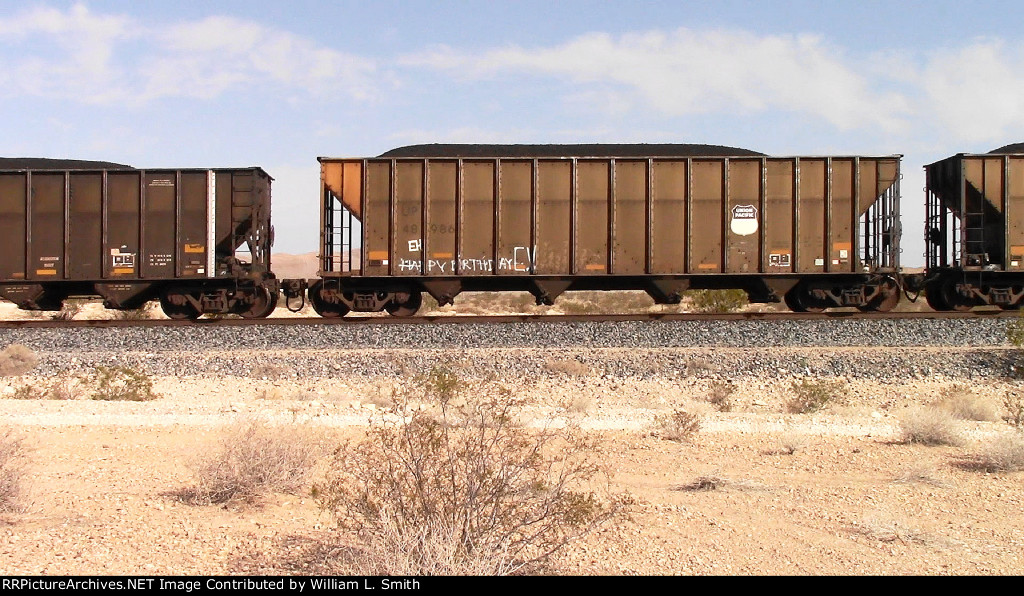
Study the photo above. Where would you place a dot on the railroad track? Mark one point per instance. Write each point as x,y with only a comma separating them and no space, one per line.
510,318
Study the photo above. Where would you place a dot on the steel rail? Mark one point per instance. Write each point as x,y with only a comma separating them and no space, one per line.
506,318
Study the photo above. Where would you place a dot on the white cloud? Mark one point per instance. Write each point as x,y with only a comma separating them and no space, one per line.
976,91
692,72
105,59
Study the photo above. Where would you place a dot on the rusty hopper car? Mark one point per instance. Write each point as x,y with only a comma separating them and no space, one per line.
197,240
975,230
817,232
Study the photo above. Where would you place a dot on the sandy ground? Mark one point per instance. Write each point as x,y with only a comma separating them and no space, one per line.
837,492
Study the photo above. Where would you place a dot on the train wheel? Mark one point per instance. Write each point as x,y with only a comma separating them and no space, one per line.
177,306
954,298
327,310
887,299
933,295
404,304
804,301
792,302
264,303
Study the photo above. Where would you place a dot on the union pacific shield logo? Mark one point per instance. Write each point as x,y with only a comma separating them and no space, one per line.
744,220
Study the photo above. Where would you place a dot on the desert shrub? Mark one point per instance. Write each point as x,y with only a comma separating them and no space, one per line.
962,403
64,387
120,383
569,367
791,441
17,359
679,426
720,395
582,404
811,395
270,371
717,301
135,314
253,460
930,426
1005,453
69,309
1013,401
446,483
11,470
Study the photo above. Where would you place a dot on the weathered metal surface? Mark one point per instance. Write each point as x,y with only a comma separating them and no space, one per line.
125,224
609,216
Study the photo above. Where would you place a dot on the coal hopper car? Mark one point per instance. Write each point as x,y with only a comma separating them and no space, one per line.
975,230
196,239
816,232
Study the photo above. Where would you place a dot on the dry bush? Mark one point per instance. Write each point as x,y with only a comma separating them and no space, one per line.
253,460
791,441
568,367
12,473
712,482
69,308
720,395
810,395
884,528
717,301
1005,453
963,403
582,404
1013,401
120,383
17,359
679,426
930,426
269,371
458,488
146,311
64,387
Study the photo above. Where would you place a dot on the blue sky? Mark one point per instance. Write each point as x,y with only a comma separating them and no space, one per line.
276,84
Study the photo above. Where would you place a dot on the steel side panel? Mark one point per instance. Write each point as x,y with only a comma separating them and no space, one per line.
630,233
442,190
159,228
842,257
706,216
871,178
13,239
477,226
86,226
376,219
122,250
46,259
1015,212
592,196
225,229
514,250
668,217
554,193
811,253
192,233
780,178
744,214
408,228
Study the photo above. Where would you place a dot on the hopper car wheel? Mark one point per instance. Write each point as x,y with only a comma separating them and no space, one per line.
327,310
176,311
264,304
404,304
791,301
887,300
933,295
953,298
805,300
